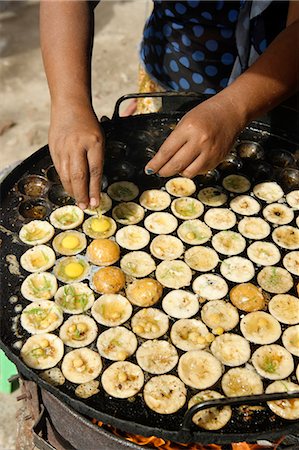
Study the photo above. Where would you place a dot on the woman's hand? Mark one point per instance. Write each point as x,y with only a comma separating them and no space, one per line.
200,141
76,145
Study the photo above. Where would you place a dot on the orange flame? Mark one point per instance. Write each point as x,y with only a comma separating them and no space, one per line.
162,444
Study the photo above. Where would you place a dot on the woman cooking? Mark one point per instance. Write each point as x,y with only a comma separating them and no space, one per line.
244,52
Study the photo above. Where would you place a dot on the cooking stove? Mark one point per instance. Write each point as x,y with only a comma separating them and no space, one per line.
46,423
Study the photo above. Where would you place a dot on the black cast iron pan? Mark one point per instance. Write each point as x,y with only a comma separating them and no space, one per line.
130,144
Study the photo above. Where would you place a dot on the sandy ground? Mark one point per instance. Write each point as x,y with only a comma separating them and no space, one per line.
24,93
24,114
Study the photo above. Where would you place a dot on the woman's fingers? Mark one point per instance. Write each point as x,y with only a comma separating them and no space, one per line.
179,161
63,170
95,158
200,165
80,177
167,150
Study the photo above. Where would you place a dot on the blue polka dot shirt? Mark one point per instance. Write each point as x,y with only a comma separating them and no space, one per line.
201,46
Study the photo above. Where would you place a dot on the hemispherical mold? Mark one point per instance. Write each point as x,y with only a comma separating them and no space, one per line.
58,196
259,170
231,163
281,158
250,150
33,185
289,178
52,174
36,209
209,178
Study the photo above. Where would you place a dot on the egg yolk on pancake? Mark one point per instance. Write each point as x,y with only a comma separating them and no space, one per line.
73,270
100,224
70,242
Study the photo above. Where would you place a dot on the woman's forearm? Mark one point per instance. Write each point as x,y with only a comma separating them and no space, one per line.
66,29
270,80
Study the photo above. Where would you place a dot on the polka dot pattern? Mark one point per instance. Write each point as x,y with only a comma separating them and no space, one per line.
191,45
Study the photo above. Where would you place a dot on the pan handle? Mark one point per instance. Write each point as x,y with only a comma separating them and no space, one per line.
234,401
162,95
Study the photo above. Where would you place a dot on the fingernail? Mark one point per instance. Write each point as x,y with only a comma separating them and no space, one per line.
82,206
158,175
93,202
149,171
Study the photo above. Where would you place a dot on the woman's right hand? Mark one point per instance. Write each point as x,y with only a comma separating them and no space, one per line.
76,144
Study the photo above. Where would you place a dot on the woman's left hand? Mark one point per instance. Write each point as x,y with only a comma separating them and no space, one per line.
201,139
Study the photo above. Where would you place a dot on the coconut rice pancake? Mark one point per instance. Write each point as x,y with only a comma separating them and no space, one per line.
74,298
292,199
211,418
123,191
69,243
160,223
38,259
287,237
71,269
41,317
122,379
247,297
199,369
275,280
67,217
150,323
42,351
245,205
81,365
260,328
220,316
278,214
36,232
99,227
180,304
108,280
287,409
194,232
166,247
268,191
290,339
104,206
155,200
187,208
174,274
165,394
132,237
237,184
78,331
285,308
210,287
237,269
117,344
241,381
111,310
212,196
190,334
137,264
200,258
228,243
231,349
180,187
254,228
220,218
273,362
263,253
157,357
291,262
145,292
39,286
128,213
